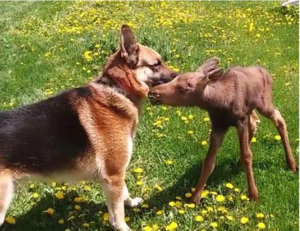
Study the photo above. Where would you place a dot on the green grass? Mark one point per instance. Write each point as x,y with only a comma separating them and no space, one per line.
42,46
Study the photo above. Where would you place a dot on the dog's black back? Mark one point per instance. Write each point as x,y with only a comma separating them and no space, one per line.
44,136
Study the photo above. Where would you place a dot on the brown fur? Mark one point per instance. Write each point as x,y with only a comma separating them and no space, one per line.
230,100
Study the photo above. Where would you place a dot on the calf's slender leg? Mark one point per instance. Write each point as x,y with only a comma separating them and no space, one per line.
280,124
246,156
216,138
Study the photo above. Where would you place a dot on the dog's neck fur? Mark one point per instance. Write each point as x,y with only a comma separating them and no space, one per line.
106,80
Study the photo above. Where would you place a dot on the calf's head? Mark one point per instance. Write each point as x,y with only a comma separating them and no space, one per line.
187,89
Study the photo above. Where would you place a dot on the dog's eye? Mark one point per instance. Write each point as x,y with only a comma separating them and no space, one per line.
157,64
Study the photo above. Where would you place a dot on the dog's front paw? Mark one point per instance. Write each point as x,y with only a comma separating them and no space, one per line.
123,227
134,202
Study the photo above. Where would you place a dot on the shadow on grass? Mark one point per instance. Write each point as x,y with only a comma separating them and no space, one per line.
222,173
36,219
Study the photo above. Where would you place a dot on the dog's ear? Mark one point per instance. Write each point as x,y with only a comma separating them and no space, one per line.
129,46
209,65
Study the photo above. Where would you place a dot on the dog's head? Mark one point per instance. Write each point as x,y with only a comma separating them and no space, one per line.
135,67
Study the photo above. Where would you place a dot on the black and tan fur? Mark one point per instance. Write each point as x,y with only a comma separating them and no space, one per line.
85,132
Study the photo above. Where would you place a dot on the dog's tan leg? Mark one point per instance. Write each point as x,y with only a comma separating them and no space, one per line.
113,190
216,139
6,194
128,201
246,156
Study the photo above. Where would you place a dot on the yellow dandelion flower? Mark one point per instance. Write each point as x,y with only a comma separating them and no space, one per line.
214,224
190,132
204,194
193,189
138,170
191,117
61,221
230,218
139,182
35,195
10,220
261,225
206,119
79,199
169,162
172,226
77,207
50,211
277,137
244,197
220,198
204,212
159,212
253,140
199,218
181,211
172,203
145,206
60,195
178,204
204,142
191,205
229,185
105,216
188,195
31,186
178,198
88,56
237,190
260,215
147,228
184,118
244,220
127,219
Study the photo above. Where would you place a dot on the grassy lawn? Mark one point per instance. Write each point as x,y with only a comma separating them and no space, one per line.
42,47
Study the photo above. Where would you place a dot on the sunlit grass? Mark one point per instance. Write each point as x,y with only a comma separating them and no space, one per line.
47,47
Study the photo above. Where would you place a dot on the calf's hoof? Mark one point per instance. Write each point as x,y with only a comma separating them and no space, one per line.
195,199
253,196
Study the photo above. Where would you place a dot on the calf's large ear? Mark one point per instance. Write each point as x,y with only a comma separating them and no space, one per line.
215,74
209,65
129,46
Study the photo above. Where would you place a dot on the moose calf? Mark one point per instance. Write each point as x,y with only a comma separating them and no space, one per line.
230,99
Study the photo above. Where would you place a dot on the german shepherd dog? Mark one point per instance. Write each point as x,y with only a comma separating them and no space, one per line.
85,132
